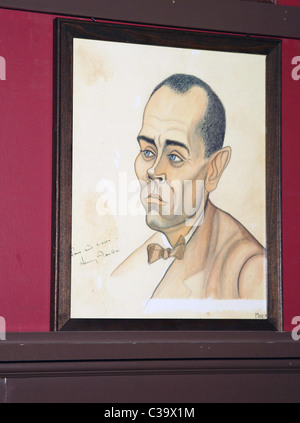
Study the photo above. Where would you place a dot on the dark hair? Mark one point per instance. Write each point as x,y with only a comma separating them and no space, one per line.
212,126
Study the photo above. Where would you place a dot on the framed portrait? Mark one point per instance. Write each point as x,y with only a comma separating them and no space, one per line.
167,210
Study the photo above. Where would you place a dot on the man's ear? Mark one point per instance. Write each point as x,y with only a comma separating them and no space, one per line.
217,164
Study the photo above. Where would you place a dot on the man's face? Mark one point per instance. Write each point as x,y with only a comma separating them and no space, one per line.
171,153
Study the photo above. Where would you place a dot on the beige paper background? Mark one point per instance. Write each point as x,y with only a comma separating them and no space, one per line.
112,83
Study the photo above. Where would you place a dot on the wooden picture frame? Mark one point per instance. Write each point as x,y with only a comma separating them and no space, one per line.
66,32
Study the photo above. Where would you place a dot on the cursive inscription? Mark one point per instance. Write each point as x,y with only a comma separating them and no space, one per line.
94,252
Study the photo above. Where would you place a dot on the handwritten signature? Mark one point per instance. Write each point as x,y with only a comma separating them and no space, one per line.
96,252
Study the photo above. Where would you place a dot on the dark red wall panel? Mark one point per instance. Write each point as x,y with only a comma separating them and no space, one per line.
290,183
290,179
288,2
25,162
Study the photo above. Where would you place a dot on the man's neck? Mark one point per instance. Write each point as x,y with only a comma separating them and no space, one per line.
185,228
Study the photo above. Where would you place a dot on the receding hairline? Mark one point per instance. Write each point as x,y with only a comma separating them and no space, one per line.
198,122
179,93
182,93
182,84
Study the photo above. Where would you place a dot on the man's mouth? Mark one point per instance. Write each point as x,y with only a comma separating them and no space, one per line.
155,199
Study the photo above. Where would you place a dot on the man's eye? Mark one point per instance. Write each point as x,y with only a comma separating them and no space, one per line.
175,159
148,153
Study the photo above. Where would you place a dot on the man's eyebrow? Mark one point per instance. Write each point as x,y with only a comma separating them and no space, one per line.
177,143
167,142
147,139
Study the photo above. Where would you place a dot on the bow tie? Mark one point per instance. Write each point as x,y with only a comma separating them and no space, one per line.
156,251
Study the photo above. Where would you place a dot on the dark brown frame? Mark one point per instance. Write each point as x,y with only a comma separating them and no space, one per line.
65,31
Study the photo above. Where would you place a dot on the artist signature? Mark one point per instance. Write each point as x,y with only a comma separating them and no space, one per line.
94,252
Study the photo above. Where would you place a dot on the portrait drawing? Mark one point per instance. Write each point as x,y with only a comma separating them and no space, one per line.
186,235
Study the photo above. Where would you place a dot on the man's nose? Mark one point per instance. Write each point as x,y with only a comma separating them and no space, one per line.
157,171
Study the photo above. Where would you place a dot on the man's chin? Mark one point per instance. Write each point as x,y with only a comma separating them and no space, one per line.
158,222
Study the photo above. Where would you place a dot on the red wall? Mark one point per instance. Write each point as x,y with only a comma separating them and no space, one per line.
288,2
25,163
290,179
26,172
